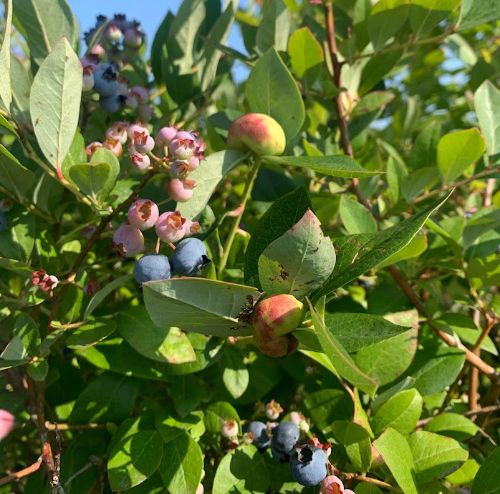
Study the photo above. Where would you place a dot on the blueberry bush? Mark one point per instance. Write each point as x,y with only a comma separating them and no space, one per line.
262,270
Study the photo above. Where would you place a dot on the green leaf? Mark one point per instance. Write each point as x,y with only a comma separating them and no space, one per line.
218,412
242,470
305,51
14,177
299,261
326,406
356,331
383,245
356,218
465,474
99,296
400,412
182,465
476,12
427,14
91,179
377,68
134,459
76,154
457,151
20,107
453,425
487,104
55,102
108,398
216,37
46,21
235,375
339,357
333,166
163,344
196,304
207,177
271,89
274,27
5,85
439,370
356,441
435,455
417,245
280,217
396,452
90,333
18,240
487,480
170,426
386,18
25,340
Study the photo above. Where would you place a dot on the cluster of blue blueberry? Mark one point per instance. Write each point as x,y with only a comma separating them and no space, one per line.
308,463
188,259
106,85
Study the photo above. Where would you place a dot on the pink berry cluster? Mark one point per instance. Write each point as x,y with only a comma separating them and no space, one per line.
117,35
333,485
143,214
45,281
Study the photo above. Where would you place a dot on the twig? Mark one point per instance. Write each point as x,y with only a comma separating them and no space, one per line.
21,473
470,413
236,223
73,427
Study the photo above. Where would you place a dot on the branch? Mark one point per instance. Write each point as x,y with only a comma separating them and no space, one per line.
21,473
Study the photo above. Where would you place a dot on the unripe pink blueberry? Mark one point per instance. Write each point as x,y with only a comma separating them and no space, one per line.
180,191
170,227
7,421
113,32
193,163
273,410
332,485
258,133
229,428
182,148
276,347
128,241
132,101
141,93
136,127
165,135
143,142
140,161
179,169
133,38
277,315
118,131
98,50
88,79
191,228
114,145
91,148
143,214
145,112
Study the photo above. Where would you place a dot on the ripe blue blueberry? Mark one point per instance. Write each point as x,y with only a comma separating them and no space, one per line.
190,257
260,438
113,103
279,456
105,82
3,221
285,435
308,465
152,267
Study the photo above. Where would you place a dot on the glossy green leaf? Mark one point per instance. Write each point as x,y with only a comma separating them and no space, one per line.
487,104
134,459
340,359
25,340
386,18
280,217
182,465
170,426
400,412
271,89
17,242
355,217
274,27
457,151
333,166
215,415
427,14
14,177
487,480
383,245
327,405
305,51
162,344
207,177
435,455
396,452
45,21
196,304
356,441
5,84
242,470
235,375
476,12
98,297
20,107
55,102
453,425
299,261
90,333
91,178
